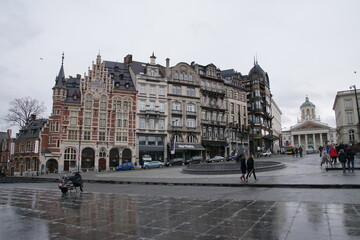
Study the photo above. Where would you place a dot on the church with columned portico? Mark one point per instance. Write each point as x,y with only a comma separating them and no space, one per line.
309,132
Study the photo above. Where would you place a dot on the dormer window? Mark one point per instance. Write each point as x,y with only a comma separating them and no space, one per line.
117,84
127,85
121,76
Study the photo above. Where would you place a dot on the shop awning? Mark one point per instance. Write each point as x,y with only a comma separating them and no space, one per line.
214,143
151,148
271,137
190,147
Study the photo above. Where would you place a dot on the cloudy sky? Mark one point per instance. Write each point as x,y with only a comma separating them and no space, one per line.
308,47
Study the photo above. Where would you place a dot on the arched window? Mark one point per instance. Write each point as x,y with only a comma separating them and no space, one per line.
88,101
102,153
176,75
191,139
176,106
70,154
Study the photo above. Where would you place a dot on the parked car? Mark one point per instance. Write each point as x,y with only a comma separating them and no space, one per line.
231,158
125,166
310,150
194,160
153,164
215,159
175,161
266,154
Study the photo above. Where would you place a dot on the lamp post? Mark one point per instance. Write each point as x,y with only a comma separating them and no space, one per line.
357,109
79,150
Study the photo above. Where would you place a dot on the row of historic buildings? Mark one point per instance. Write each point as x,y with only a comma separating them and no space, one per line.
122,111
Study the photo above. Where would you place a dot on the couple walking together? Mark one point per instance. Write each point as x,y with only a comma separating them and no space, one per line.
247,165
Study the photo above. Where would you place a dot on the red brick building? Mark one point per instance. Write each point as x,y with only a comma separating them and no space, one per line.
95,114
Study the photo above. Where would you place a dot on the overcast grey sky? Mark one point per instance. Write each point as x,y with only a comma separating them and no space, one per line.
308,47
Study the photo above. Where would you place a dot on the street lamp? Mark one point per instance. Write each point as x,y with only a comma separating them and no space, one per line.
357,108
79,150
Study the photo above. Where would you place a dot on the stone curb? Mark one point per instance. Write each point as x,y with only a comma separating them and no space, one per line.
240,184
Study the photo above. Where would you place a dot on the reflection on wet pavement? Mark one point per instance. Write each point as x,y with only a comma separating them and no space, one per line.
44,214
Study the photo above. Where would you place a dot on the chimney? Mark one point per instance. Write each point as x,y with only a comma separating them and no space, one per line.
152,59
128,59
167,70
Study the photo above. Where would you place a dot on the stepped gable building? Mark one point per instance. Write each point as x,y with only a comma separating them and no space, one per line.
309,133
237,116
152,112
213,110
92,126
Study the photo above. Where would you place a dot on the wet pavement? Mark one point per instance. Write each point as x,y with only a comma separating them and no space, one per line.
298,202
47,214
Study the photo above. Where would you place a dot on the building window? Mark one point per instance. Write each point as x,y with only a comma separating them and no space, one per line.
88,101
191,123
161,124
176,106
143,88
191,92
72,134
57,126
151,123
176,122
102,122
191,139
103,103
349,118
348,103
351,135
102,153
152,90
73,118
190,107
152,106
28,146
87,119
176,90
87,135
70,154
57,143
161,106
142,123
101,136
142,105
162,91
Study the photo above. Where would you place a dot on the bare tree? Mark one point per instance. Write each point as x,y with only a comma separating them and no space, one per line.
21,110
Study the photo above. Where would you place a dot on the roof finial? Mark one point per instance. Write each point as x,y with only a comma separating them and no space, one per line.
62,59
256,60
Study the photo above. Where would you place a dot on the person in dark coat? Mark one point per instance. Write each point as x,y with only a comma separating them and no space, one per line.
243,167
342,159
241,159
250,167
350,155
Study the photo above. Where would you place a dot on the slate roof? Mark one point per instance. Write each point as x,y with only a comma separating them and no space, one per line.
73,88
4,135
140,68
119,74
32,130
60,79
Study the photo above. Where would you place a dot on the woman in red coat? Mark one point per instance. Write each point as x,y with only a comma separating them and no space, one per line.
334,155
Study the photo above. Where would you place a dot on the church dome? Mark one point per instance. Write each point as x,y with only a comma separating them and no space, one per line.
307,103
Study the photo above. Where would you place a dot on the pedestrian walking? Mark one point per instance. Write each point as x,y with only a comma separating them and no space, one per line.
296,152
350,155
333,155
324,158
243,168
250,167
300,151
342,159
320,150
293,152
